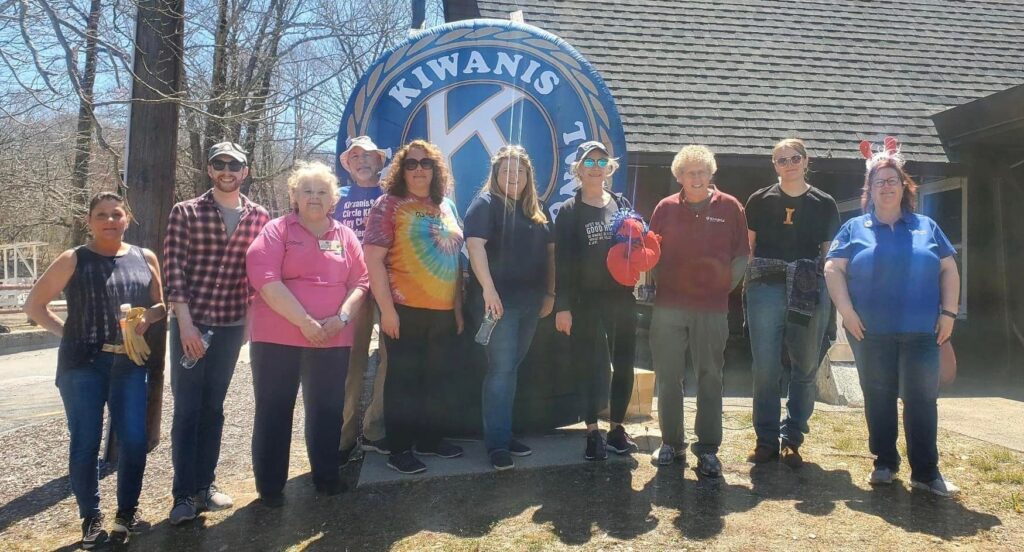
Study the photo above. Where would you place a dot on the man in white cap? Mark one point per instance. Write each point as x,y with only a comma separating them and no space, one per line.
363,161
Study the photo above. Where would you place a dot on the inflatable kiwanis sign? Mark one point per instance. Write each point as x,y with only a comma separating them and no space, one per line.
474,86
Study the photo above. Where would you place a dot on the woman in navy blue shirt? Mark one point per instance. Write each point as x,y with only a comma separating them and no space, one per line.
512,253
893,278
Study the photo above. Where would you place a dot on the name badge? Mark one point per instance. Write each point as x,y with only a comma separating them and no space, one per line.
330,245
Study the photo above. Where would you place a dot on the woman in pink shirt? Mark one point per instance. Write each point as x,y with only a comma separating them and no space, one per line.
308,269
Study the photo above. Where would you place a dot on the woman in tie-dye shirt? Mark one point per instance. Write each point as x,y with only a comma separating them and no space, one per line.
412,246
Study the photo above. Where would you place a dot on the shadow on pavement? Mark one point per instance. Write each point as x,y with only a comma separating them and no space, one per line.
35,501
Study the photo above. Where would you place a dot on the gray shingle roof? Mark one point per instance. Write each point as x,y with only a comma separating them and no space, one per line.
739,74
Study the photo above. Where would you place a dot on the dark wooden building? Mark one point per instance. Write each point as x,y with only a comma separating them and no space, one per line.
738,75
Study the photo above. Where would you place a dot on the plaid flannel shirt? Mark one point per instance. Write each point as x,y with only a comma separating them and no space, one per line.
205,269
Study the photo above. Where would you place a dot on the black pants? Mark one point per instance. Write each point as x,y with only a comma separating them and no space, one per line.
277,371
413,390
603,328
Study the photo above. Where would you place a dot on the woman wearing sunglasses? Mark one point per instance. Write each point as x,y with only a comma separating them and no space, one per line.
512,253
894,279
598,313
412,244
791,224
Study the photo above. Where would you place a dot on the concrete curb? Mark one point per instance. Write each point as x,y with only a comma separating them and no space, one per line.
32,340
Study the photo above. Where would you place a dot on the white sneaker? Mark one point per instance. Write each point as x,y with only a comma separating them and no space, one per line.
213,499
937,486
665,455
881,476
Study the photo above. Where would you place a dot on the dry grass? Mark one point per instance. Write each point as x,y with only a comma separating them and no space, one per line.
826,505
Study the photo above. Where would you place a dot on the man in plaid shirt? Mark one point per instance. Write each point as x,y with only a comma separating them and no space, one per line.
207,289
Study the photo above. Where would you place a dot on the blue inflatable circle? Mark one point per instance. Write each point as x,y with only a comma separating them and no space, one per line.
473,86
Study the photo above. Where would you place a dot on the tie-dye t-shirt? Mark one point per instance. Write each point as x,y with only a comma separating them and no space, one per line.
424,242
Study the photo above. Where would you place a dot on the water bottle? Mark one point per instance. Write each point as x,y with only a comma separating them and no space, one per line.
483,335
123,322
189,363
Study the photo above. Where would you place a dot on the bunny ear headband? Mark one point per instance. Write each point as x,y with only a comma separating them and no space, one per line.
889,149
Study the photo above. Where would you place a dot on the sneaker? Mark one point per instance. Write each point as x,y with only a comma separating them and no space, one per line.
791,456
620,441
881,476
331,488
443,448
708,465
405,462
597,448
184,510
351,454
517,448
212,499
92,532
762,454
125,524
938,486
501,459
380,446
272,500
664,455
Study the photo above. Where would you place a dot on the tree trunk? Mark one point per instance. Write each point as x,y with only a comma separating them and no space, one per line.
83,135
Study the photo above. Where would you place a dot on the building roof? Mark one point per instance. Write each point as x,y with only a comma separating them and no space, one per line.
738,75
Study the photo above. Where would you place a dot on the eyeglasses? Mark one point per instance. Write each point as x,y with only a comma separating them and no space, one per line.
891,182
233,166
413,164
589,163
783,161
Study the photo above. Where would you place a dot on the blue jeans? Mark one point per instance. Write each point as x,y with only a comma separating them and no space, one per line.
904,366
199,406
769,329
510,341
117,382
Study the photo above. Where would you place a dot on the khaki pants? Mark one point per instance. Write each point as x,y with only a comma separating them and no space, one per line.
373,418
704,334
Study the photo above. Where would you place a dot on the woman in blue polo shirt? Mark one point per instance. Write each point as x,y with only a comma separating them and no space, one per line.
894,281
512,252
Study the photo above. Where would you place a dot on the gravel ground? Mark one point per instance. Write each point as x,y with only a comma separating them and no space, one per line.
824,506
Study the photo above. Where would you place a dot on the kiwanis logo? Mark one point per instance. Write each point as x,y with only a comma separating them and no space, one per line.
474,86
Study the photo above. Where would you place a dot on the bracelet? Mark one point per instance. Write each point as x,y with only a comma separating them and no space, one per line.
950,314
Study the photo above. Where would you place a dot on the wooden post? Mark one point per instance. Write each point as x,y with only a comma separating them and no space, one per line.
151,160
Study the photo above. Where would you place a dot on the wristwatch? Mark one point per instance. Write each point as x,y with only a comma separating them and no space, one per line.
344,318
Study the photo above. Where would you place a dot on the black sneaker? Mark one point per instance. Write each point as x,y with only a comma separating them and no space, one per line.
272,500
125,524
708,465
501,459
596,446
92,532
331,488
443,448
405,462
184,509
380,446
517,448
620,441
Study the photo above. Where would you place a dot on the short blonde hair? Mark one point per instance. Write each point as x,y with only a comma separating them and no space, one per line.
693,154
316,171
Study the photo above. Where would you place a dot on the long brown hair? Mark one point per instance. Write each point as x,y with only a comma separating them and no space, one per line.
440,182
531,205
909,202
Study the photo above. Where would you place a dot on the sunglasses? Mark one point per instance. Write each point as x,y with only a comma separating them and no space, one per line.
233,166
891,182
413,164
783,161
590,163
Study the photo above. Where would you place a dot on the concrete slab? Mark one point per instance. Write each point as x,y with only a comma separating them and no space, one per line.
991,419
562,449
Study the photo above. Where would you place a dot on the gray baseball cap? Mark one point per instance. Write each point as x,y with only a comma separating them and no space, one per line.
587,147
230,149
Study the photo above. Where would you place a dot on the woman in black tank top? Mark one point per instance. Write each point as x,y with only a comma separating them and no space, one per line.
92,368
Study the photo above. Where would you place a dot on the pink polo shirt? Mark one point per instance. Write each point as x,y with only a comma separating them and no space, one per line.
318,272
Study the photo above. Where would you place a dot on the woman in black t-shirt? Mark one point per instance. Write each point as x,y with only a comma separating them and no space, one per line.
512,255
598,313
791,224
